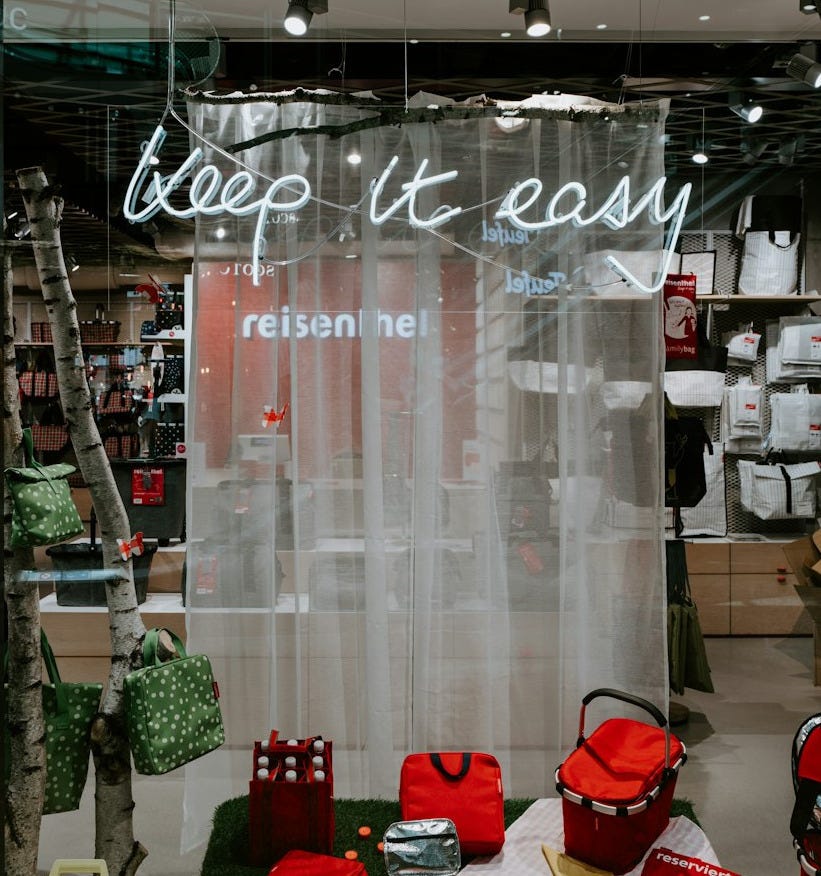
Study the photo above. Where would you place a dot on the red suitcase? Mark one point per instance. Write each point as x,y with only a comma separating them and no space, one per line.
617,786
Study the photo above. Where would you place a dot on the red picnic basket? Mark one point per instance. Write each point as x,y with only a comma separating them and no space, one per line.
617,786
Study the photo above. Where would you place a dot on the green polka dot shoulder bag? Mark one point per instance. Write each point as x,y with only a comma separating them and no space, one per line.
68,710
172,708
43,511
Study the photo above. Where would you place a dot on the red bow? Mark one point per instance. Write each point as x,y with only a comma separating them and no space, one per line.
133,548
155,290
270,416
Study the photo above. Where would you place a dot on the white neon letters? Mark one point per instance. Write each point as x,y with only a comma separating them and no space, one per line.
615,213
439,216
203,190
210,194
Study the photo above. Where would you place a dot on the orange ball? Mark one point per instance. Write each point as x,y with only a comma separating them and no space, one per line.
380,847
351,855
364,831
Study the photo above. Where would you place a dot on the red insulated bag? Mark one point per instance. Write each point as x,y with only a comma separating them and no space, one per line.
617,787
805,822
465,787
299,863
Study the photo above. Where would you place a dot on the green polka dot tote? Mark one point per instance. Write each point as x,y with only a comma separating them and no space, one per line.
43,511
172,708
68,710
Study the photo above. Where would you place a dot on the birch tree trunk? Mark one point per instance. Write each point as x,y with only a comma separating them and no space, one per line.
114,836
25,789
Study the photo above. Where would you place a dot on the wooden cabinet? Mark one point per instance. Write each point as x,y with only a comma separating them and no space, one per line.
745,589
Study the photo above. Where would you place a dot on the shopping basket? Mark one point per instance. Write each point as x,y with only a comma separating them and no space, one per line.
805,821
617,786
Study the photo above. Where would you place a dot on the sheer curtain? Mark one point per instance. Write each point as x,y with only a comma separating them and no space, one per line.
455,530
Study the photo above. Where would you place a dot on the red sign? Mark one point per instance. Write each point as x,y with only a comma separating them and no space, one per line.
664,862
680,340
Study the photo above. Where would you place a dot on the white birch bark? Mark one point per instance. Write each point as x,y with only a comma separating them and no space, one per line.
114,829
25,789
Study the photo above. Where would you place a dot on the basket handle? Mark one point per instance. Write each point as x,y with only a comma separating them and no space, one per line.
633,700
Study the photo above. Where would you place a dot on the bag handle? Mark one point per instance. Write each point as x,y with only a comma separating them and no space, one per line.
436,760
633,700
51,668
151,645
31,462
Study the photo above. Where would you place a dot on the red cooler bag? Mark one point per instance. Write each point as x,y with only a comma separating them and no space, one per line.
290,802
465,787
617,787
299,863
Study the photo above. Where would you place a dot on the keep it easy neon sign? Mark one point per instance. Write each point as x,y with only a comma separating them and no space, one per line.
210,194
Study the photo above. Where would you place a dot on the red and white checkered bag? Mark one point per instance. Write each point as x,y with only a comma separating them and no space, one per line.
49,439
45,384
26,381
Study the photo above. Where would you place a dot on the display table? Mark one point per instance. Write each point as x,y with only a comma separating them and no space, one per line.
542,823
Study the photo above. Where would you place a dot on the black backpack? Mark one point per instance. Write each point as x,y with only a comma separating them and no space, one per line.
685,438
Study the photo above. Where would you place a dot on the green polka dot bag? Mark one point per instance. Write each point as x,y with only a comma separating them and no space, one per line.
68,710
43,511
172,708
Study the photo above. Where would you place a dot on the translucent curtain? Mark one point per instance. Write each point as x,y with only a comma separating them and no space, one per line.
454,532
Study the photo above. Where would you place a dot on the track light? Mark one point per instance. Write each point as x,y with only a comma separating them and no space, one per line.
299,15
804,69
746,108
73,264
808,7
752,150
536,13
787,151
701,152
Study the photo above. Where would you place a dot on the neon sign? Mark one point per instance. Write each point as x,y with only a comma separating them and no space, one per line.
210,194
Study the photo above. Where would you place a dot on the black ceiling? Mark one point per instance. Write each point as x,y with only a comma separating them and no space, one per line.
81,110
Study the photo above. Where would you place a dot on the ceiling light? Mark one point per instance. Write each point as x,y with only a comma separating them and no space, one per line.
73,264
808,6
23,229
746,108
804,69
752,150
787,150
537,16
701,152
354,158
505,34
127,266
704,18
299,15
601,27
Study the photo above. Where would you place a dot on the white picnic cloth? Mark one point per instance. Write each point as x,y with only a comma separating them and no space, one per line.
522,855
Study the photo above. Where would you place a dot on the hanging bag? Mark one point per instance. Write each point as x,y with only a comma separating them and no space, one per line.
43,511
465,787
778,492
172,708
68,710
697,382
770,227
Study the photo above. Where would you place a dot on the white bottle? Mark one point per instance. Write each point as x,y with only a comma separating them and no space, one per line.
262,773
319,746
290,761
290,775
262,761
319,775
318,761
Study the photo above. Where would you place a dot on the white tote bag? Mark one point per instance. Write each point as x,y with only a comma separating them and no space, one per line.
778,492
769,263
795,421
709,516
694,389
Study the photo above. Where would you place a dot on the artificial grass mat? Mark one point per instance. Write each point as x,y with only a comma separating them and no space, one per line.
228,845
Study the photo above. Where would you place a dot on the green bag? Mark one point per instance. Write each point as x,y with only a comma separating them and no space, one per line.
43,510
687,656
68,710
172,709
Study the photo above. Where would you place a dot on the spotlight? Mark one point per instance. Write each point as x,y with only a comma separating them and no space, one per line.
804,69
22,229
72,264
808,7
746,108
537,16
701,153
752,150
299,15
787,151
